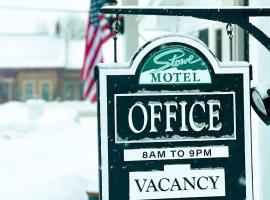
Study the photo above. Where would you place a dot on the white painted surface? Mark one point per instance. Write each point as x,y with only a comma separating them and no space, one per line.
165,184
176,153
260,60
40,51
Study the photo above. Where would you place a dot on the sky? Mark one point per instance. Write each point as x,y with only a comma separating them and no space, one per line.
26,16
60,4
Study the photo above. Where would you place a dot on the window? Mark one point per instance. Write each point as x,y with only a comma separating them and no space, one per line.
28,90
203,36
81,90
45,90
4,88
69,92
219,44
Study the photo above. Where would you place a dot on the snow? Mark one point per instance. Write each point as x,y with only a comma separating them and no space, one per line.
35,16
75,54
60,4
52,156
31,51
40,51
234,64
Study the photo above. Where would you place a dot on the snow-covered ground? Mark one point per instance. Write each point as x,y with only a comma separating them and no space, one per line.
47,151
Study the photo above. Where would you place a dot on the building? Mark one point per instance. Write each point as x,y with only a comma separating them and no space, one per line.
245,48
40,66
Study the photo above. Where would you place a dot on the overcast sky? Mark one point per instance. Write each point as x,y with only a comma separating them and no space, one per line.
61,4
24,16
15,19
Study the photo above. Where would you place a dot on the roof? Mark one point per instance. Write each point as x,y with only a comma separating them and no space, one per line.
40,51
75,54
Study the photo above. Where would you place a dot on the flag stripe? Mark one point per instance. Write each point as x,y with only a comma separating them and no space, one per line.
98,31
95,47
87,84
90,79
93,58
89,88
106,34
92,32
91,93
94,99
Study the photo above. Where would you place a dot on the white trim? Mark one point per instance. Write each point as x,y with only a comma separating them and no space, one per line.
217,151
250,172
104,136
186,40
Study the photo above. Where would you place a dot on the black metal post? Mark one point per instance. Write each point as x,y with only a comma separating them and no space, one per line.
234,15
115,47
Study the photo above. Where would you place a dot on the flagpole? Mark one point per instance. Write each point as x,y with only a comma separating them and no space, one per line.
115,48
116,31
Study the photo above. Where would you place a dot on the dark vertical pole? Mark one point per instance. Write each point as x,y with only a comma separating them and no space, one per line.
229,29
115,48
116,31
246,37
231,49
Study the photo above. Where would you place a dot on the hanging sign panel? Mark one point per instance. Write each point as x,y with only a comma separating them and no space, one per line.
174,124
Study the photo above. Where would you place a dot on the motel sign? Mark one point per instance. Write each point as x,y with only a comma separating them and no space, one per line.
174,123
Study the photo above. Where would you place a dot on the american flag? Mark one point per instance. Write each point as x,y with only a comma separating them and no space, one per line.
98,32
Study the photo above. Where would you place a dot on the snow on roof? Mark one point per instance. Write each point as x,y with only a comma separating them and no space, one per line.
40,51
31,51
75,54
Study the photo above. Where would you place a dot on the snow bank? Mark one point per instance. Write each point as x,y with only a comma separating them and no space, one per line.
35,118
51,157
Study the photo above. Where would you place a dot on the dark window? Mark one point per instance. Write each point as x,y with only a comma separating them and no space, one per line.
4,91
15,93
81,90
219,44
29,90
69,92
203,36
45,91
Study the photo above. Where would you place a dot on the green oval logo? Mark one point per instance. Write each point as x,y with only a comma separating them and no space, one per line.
175,64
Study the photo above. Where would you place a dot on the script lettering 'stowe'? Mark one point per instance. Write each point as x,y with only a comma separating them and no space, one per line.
178,58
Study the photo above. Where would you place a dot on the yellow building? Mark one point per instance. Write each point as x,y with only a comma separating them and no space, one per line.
40,67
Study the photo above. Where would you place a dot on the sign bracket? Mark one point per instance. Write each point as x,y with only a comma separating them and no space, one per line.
235,15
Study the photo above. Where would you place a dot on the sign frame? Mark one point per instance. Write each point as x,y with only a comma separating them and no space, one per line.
105,70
